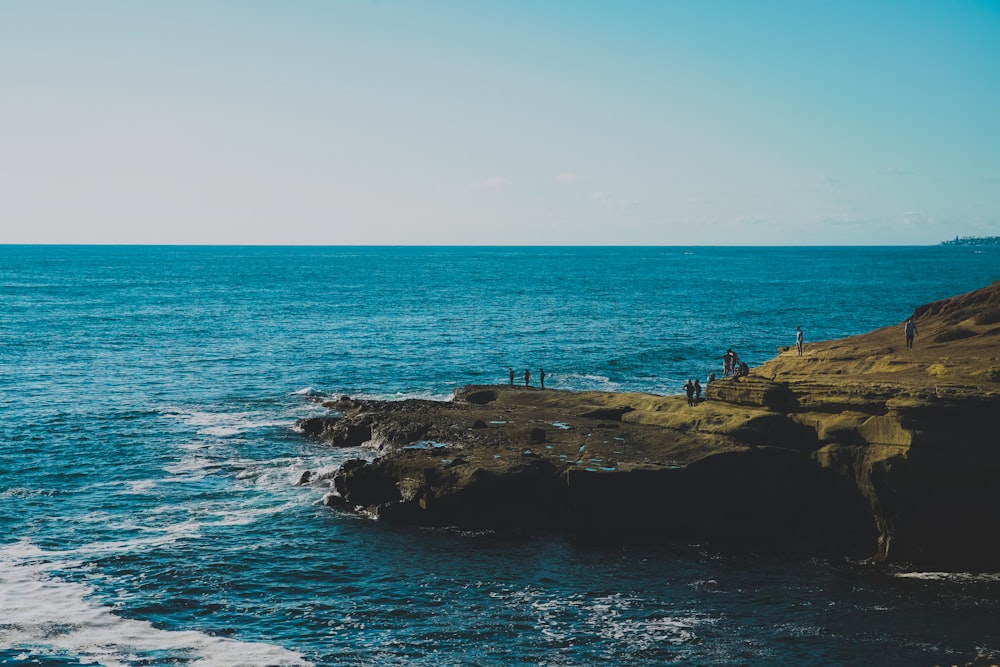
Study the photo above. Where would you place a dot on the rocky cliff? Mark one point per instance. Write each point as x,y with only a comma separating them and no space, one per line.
858,447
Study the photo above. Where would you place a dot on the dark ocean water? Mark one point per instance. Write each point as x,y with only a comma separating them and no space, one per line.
148,510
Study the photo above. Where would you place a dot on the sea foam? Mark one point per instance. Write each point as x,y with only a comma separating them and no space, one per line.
45,615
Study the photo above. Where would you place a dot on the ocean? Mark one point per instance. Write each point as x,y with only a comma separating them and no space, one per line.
148,457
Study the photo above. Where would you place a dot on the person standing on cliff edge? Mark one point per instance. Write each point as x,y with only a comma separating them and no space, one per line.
527,377
541,377
729,360
798,339
512,377
910,329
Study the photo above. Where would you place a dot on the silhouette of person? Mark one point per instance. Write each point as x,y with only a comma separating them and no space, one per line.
512,377
910,329
730,360
541,377
697,391
689,390
798,339
727,362
527,377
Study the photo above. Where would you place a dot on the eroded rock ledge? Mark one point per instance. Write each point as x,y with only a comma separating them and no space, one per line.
858,447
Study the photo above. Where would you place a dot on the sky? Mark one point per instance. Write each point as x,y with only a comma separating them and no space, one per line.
499,122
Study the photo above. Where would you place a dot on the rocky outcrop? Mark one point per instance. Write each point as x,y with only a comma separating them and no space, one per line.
857,447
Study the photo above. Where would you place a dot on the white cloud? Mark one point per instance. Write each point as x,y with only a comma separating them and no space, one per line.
841,220
603,199
917,219
492,182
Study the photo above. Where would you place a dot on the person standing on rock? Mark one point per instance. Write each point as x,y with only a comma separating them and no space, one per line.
727,362
512,377
527,377
910,329
689,390
798,339
697,391
730,360
541,377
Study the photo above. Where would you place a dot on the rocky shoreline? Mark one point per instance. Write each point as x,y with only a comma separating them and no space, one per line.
858,447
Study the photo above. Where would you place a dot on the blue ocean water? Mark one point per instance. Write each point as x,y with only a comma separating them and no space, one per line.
148,507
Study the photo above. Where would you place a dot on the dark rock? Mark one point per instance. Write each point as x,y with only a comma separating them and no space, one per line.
481,397
528,494
316,426
399,432
610,414
479,423
536,436
351,435
340,477
337,431
399,511
334,500
763,498
367,484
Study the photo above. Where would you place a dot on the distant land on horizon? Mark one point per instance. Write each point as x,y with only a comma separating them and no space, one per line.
979,241
973,240
957,241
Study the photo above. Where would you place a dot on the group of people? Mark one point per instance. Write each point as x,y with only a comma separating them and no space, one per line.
693,391
732,367
730,362
527,377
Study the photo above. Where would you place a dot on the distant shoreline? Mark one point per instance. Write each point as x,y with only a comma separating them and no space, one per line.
974,241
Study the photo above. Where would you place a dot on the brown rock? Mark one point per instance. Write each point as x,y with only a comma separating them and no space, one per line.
858,446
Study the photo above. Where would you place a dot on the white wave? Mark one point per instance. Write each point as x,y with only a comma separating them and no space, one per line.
958,577
152,537
568,619
222,424
586,381
226,514
44,615
306,391
191,467
164,526
402,396
139,487
126,487
24,492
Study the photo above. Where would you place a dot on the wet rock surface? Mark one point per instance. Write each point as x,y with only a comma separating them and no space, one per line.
859,447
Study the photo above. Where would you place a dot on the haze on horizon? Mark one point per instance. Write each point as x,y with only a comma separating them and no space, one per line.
499,123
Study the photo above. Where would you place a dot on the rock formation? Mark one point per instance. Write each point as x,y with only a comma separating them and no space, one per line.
859,447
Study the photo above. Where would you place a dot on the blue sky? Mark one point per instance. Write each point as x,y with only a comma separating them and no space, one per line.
506,122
